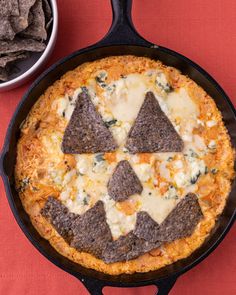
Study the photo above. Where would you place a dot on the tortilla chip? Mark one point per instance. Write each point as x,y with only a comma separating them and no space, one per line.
47,11
36,30
4,60
14,7
124,182
146,228
126,248
91,231
5,6
30,18
21,44
9,7
182,220
79,230
19,23
60,217
86,132
152,131
3,75
6,31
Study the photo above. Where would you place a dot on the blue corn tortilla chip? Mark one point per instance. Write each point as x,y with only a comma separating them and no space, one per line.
86,131
21,44
180,222
6,31
123,182
60,217
88,232
8,8
7,59
152,131
91,231
126,248
20,22
146,228
14,7
36,29
3,75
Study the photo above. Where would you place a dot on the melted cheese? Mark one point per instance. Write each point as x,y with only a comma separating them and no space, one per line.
143,171
128,96
156,205
181,105
118,222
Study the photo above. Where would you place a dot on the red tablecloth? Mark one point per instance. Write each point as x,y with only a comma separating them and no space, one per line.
205,31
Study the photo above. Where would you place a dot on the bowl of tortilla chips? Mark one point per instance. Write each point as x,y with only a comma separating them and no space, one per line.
28,31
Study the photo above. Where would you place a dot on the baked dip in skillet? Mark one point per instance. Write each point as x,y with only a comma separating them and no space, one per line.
124,165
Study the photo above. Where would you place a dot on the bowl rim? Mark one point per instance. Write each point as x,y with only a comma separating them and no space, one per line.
45,54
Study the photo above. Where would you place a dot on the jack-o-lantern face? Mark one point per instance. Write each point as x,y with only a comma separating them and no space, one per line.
128,201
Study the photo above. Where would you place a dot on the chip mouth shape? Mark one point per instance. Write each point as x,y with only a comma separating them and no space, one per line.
81,233
180,222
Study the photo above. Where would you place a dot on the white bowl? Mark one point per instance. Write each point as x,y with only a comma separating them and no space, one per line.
29,67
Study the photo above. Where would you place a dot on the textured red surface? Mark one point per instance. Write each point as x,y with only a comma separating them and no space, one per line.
202,30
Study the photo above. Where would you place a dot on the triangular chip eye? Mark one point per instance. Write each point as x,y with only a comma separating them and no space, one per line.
152,131
86,131
123,182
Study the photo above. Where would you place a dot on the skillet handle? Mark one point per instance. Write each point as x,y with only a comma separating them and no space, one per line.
165,286
95,286
122,30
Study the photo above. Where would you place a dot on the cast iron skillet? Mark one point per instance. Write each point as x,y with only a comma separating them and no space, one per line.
121,39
